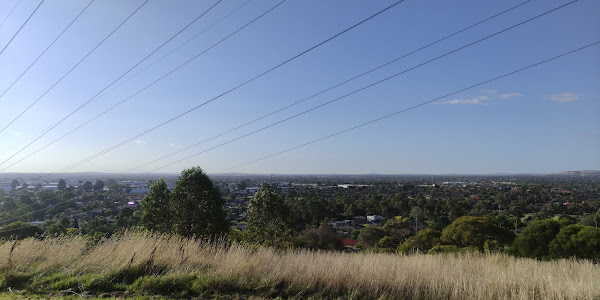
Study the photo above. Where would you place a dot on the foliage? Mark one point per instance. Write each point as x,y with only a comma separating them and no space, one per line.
423,241
448,249
55,230
156,208
197,207
99,185
19,230
62,184
534,241
576,241
322,238
369,236
469,231
267,218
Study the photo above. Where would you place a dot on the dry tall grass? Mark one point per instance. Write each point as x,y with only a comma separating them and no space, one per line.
467,276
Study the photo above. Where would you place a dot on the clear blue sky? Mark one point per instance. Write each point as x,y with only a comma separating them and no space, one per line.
542,120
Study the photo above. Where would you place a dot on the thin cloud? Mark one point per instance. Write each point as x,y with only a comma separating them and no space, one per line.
140,142
15,133
474,100
565,97
510,95
173,145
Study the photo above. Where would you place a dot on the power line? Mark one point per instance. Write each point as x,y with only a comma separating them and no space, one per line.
31,65
377,119
146,87
45,200
228,91
177,48
369,85
10,13
13,37
412,107
75,66
130,69
333,87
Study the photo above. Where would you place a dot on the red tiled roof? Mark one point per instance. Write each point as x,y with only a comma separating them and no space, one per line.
349,242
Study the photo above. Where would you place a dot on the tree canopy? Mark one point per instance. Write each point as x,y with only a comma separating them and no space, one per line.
268,217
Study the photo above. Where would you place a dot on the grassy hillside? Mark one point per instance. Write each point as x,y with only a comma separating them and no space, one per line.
142,264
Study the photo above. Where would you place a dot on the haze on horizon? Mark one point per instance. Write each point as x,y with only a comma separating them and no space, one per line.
541,120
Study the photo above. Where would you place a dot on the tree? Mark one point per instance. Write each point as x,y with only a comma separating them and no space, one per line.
578,241
87,186
535,240
62,184
369,236
99,185
416,213
268,217
56,230
125,218
471,231
19,230
13,184
197,207
156,208
322,238
423,241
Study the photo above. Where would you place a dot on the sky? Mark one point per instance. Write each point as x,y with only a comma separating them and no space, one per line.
541,120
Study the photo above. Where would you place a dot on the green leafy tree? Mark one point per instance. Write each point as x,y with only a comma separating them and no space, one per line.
62,184
88,186
125,218
19,230
197,207
56,230
423,241
267,217
469,231
578,241
156,208
322,238
535,240
99,185
13,184
369,236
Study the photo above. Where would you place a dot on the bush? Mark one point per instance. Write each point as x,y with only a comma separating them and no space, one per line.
468,231
576,241
422,242
535,240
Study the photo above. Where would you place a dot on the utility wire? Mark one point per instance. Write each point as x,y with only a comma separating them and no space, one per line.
13,37
412,107
10,13
75,66
143,89
177,48
230,90
42,209
95,96
377,119
45,200
31,65
367,86
332,87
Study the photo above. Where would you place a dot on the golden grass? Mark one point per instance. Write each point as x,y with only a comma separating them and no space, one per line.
387,276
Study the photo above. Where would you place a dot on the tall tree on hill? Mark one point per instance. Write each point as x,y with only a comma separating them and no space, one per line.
197,207
268,217
99,185
156,209
62,184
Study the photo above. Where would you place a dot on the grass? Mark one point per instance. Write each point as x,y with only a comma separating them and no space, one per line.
142,264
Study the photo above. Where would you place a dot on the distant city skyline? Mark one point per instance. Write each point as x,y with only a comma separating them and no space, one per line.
542,120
